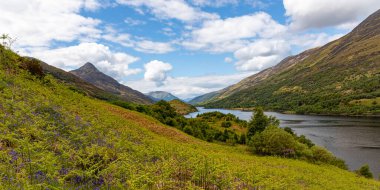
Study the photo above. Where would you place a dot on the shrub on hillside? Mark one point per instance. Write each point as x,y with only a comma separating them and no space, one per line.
226,124
259,122
365,172
33,66
273,141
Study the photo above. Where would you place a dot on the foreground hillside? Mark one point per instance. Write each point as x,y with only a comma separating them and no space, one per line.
54,138
338,78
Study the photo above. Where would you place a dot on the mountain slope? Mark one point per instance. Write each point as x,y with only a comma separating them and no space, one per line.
79,85
161,95
54,138
332,79
203,98
92,75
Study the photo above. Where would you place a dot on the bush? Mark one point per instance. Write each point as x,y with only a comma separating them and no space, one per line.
33,66
365,172
273,141
226,124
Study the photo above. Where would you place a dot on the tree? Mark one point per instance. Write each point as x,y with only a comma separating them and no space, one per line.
259,122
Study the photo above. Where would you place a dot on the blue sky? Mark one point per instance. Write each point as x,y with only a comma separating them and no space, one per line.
186,47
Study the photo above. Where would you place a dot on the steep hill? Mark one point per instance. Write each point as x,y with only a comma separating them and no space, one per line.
89,73
161,95
334,79
182,107
54,138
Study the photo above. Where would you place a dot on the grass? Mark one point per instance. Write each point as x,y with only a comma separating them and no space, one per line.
54,138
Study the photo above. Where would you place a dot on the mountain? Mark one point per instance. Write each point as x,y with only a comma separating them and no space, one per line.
54,138
203,98
89,73
341,77
161,95
182,107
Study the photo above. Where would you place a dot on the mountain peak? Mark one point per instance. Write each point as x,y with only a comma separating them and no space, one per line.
161,95
88,67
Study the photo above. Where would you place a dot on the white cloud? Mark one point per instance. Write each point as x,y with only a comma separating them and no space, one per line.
307,41
261,55
232,33
156,71
115,64
134,22
137,43
228,60
39,23
306,14
170,9
214,3
147,46
188,87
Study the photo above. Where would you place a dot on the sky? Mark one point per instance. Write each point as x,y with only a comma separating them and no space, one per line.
185,47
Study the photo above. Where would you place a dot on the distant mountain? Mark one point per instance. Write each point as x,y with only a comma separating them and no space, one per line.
161,95
203,98
89,73
341,77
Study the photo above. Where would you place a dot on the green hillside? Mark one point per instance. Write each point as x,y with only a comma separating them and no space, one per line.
53,137
182,107
327,80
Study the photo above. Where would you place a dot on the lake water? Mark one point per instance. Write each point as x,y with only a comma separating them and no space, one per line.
354,139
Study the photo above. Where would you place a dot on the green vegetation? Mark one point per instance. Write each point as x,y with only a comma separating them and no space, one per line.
55,138
365,172
342,77
182,107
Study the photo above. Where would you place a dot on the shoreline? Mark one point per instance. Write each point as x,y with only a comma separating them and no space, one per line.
293,113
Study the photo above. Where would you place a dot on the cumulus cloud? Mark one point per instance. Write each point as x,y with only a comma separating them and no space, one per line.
170,9
232,33
156,71
37,23
324,13
188,87
261,55
115,64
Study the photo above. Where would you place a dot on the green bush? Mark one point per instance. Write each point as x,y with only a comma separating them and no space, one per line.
273,141
365,172
226,124
260,121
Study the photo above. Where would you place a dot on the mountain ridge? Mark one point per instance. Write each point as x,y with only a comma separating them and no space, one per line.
161,95
89,73
324,80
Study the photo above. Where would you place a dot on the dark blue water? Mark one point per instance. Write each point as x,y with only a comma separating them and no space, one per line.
354,139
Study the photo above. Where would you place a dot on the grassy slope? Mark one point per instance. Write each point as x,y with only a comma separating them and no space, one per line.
182,107
64,139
